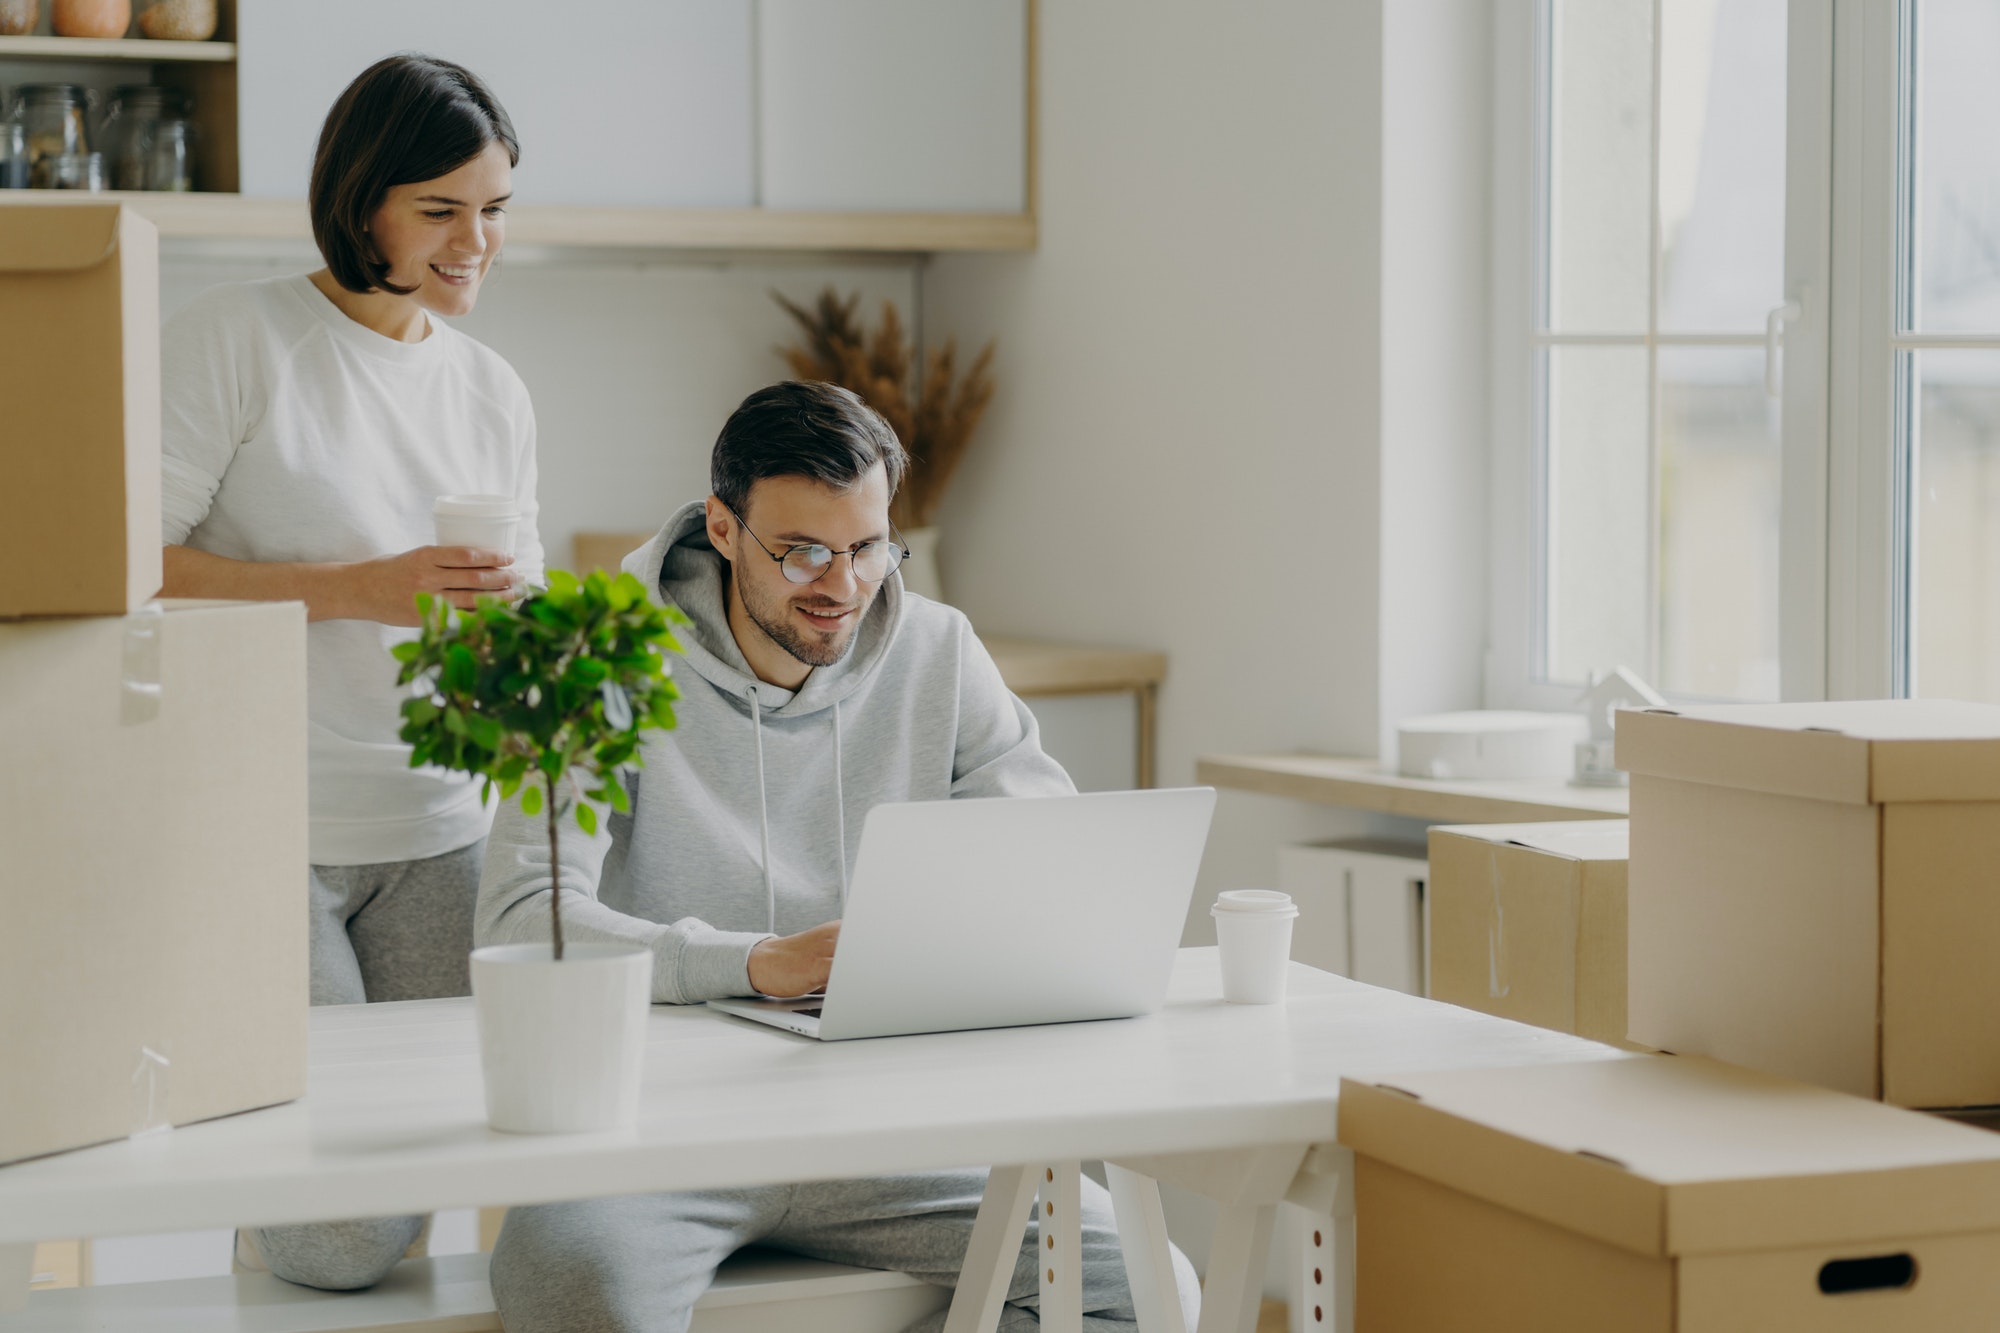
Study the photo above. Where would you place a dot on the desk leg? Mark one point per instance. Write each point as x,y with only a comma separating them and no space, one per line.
1149,722
1323,1287
994,1251
1149,1264
1236,1260
1060,1214
17,1270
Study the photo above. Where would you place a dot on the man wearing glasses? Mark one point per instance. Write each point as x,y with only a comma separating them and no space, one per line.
814,688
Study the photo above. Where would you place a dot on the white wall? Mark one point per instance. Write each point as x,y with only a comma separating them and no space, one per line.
1436,108
1183,452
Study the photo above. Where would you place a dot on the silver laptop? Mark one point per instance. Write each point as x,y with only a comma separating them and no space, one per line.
1007,911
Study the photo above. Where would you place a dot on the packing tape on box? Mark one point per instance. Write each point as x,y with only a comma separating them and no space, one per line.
1497,984
150,1080
139,692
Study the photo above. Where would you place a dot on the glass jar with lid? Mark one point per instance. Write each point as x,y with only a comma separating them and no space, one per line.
170,157
51,117
13,154
127,134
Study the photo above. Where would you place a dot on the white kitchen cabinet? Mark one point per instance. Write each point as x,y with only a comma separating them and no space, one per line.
917,105
1361,908
637,103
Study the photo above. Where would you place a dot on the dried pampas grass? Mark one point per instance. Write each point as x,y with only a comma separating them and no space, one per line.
933,417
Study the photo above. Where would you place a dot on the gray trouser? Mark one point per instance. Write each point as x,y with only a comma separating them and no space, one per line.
640,1263
397,931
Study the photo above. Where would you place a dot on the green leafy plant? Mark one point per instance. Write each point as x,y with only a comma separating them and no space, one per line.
556,688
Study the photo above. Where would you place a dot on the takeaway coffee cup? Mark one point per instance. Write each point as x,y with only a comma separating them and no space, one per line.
484,521
1254,928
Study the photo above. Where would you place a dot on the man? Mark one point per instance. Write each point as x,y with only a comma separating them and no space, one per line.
814,689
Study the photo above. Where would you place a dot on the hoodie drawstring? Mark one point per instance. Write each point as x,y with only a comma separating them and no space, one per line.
840,807
764,814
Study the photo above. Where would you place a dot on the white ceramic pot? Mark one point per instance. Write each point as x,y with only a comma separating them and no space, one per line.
562,1044
920,568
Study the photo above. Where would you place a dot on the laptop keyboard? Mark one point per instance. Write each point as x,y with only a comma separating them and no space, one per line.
808,1013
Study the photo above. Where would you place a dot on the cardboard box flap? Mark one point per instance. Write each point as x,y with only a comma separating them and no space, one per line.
1855,751
1577,840
1667,1155
56,238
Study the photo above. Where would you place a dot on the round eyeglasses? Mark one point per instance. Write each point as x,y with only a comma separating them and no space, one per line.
872,561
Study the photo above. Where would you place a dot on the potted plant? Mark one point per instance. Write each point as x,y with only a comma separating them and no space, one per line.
933,413
546,700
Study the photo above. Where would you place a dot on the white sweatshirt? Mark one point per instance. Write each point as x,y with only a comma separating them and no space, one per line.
293,433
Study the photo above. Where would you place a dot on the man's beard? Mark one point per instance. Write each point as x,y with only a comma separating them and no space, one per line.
803,645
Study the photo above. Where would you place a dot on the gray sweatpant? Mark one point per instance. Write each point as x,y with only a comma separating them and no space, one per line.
401,930
639,1263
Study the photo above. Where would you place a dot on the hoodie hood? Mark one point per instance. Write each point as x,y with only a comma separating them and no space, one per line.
688,572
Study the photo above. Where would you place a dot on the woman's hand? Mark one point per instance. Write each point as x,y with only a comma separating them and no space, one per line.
386,589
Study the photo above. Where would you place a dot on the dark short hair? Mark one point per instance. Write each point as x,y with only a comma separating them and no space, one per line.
802,428
407,118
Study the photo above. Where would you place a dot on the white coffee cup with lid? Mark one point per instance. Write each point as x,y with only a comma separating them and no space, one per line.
1254,929
486,522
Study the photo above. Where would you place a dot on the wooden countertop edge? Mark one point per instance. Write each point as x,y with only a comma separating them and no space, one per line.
1383,793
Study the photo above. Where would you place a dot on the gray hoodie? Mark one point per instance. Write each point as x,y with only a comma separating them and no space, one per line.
746,818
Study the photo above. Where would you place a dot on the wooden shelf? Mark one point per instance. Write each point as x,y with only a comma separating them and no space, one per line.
144,49
1035,667
1360,784
236,217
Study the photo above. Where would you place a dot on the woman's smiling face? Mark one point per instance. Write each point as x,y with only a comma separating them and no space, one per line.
440,236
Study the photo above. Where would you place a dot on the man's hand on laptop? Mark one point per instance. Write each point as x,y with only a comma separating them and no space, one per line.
794,964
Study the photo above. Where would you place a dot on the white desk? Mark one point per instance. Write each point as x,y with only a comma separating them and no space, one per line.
393,1120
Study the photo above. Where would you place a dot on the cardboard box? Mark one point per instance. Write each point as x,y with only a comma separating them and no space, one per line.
152,870
1815,891
80,384
1528,922
1659,1193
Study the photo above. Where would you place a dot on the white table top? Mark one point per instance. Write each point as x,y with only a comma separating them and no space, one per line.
393,1120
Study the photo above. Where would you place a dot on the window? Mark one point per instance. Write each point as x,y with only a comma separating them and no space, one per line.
1747,348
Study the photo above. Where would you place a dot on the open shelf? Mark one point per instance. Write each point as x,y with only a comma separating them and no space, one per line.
236,217
146,49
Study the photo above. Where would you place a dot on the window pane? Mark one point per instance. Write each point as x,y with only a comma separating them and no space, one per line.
1958,168
1722,164
1719,497
1957,519
1598,524
1600,145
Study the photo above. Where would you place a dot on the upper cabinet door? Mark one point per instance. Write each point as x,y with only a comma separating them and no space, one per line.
896,105
616,102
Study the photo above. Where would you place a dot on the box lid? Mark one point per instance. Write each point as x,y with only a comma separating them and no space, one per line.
51,238
1575,840
1856,751
1670,1155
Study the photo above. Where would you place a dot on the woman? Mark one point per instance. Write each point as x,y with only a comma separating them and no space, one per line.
310,422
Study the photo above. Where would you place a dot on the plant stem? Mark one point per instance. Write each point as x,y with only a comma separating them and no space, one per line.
555,873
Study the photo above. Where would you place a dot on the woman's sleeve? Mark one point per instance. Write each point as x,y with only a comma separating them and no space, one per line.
202,413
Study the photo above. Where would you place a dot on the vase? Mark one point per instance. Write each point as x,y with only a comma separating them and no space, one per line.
562,1044
920,566
90,18
18,17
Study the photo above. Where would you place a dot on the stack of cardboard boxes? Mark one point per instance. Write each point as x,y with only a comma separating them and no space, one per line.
152,755
1813,898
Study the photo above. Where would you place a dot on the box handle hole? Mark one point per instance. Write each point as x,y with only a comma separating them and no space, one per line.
1879,1272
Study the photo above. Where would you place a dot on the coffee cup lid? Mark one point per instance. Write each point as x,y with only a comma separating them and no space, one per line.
1258,902
477,506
